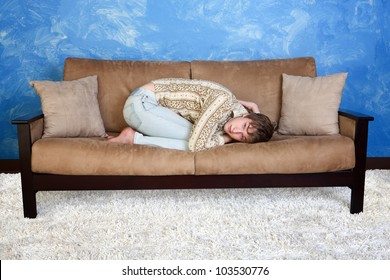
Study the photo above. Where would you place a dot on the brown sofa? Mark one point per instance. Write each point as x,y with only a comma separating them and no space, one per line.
92,163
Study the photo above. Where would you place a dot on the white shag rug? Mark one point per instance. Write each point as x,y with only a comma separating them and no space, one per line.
266,224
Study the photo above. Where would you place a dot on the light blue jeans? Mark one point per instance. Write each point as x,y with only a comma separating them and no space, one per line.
155,124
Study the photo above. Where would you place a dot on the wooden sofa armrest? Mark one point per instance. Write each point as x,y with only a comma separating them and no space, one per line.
350,121
30,129
28,118
355,115
355,125
32,122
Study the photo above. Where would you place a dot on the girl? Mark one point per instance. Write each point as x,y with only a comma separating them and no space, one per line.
187,114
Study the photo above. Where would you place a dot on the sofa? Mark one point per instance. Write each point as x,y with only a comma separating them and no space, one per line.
315,144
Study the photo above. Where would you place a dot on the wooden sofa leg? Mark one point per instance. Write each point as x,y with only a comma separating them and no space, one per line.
357,198
359,172
357,189
28,192
29,200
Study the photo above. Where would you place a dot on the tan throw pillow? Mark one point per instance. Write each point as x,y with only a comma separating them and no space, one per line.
310,105
71,108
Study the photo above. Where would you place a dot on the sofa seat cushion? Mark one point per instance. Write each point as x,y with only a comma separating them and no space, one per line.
283,154
95,156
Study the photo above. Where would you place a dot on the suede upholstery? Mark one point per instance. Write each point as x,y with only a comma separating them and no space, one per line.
94,156
283,154
71,108
258,81
310,105
117,79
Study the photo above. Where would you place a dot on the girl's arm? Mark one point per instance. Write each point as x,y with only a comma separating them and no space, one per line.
250,106
216,108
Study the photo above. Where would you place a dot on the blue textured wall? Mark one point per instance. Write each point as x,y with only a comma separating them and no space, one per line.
353,36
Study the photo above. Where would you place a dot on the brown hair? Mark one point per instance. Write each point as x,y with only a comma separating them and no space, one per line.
264,128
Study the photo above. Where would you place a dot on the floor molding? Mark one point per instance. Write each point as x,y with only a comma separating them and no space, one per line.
378,163
9,166
12,165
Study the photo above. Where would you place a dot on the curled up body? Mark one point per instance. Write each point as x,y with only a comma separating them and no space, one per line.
188,114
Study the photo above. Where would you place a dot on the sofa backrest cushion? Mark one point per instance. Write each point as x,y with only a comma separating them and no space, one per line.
259,81
118,78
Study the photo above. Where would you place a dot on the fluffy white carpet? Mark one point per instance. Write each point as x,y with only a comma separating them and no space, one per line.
304,223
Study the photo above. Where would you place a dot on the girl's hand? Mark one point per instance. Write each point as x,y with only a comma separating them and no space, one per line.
251,106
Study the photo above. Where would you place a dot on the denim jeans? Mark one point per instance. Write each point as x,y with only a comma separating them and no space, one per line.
155,124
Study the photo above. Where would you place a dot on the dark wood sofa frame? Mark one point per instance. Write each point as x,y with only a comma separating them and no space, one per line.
34,182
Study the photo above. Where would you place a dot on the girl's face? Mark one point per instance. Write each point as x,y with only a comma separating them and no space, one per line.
239,129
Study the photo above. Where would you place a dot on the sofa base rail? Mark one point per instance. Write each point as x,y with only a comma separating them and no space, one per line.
47,182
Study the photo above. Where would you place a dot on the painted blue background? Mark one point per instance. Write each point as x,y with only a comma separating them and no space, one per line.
353,36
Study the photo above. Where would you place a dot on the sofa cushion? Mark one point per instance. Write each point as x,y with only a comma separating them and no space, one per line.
259,81
283,154
310,105
95,156
71,108
118,78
